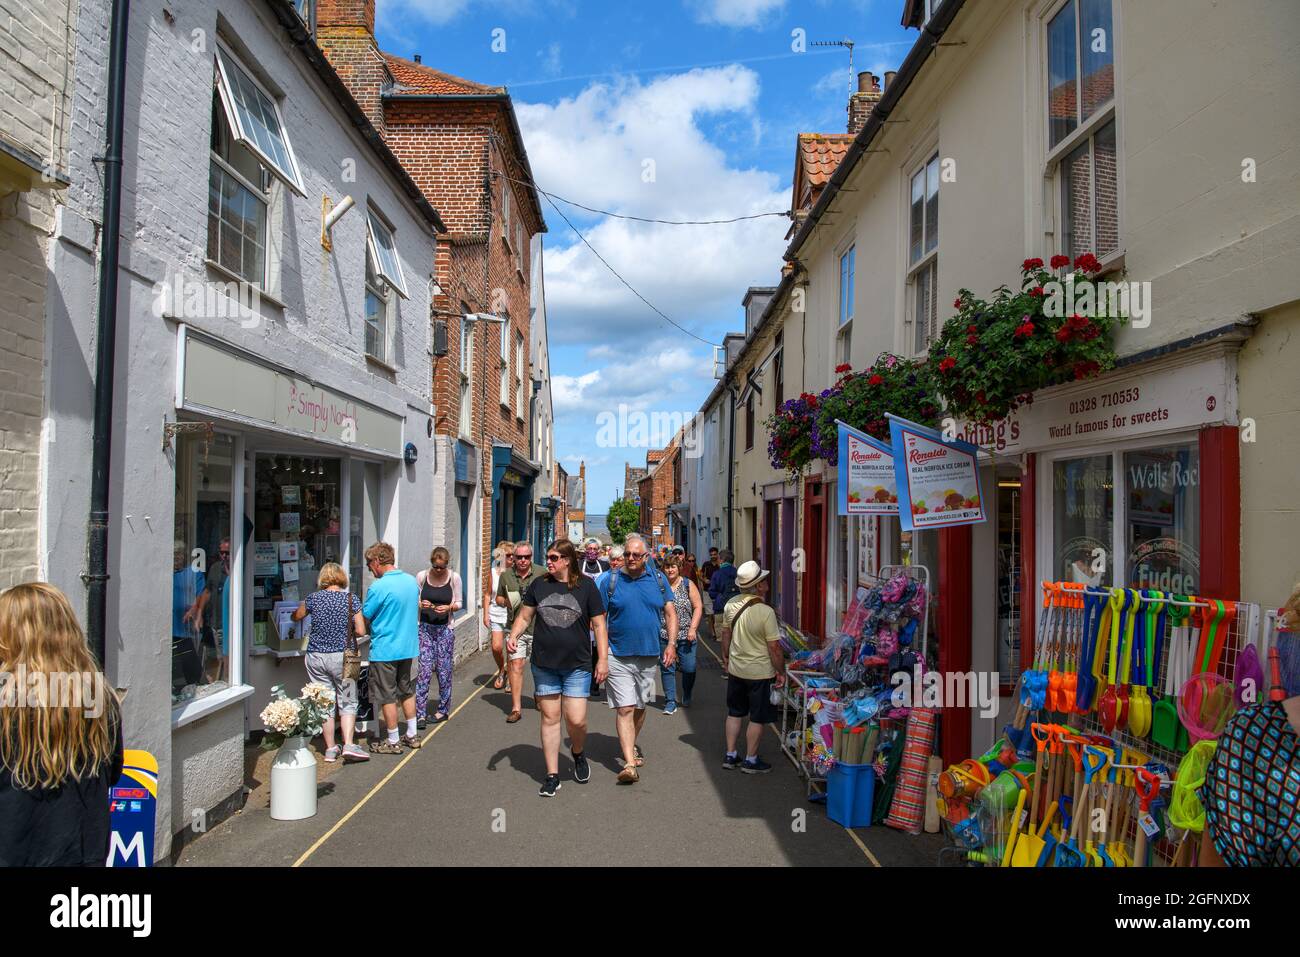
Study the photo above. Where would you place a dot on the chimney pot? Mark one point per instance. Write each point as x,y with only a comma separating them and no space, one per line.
416,58
867,82
889,78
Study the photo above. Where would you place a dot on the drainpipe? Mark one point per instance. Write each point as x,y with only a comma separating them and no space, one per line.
96,575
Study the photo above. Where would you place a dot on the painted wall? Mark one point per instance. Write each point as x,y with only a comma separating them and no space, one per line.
318,332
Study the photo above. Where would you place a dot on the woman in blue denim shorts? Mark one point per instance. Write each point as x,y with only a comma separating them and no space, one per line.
567,608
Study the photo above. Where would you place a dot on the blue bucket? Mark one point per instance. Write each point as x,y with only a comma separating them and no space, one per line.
850,794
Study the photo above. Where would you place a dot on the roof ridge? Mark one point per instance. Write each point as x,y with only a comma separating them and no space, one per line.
471,85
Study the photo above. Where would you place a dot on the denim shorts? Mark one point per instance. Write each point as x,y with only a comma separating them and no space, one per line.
571,684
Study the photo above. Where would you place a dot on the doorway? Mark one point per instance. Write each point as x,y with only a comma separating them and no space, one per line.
814,543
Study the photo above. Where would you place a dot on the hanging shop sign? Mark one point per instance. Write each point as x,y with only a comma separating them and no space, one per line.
216,379
938,480
869,485
1113,408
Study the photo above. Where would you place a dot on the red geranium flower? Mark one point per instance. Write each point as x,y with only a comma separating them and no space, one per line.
1037,291
1058,261
956,303
843,367
876,379
947,364
1088,263
1025,329
1063,334
1029,264
972,328
972,339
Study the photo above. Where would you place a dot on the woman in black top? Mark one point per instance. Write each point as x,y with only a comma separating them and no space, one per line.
60,746
440,597
567,607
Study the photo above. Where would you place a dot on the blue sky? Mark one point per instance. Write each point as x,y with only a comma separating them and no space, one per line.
678,109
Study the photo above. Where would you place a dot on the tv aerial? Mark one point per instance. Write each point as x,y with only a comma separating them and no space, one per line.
848,45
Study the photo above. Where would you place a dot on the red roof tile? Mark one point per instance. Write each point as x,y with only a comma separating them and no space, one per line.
420,79
820,153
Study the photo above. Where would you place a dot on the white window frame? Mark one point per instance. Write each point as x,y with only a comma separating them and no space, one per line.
928,261
844,301
292,177
1084,132
381,289
261,196
466,424
503,350
519,374
505,210
380,237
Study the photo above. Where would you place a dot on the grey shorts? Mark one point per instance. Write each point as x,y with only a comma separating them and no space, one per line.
391,681
631,681
327,668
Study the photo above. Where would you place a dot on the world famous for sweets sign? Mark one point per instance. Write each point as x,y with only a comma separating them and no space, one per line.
870,484
938,480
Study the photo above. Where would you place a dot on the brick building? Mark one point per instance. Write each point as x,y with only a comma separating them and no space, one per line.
576,497
632,477
660,488
461,143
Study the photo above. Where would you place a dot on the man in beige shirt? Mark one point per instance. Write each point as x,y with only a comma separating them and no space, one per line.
755,664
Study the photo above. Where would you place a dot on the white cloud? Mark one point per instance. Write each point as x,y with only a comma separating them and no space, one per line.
600,148
735,13
550,60
837,81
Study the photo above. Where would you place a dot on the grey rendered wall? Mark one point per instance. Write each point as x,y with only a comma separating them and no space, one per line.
320,333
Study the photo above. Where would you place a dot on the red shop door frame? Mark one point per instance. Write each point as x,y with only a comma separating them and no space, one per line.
812,618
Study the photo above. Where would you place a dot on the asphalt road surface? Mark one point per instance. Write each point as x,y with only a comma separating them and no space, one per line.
469,797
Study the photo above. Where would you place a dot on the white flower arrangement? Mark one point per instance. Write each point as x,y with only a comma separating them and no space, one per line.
286,717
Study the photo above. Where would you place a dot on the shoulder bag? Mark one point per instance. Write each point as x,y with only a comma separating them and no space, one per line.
351,654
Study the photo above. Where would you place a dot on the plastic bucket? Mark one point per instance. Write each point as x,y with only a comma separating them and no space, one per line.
850,794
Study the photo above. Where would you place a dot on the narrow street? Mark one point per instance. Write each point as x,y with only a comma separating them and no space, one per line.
438,805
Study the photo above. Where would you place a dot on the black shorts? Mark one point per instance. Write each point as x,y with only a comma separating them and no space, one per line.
750,699
391,681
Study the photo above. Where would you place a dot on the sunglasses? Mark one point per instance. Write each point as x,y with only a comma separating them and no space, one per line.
638,556
552,558
523,558
439,568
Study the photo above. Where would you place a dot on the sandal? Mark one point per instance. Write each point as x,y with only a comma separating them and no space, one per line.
384,747
499,681
640,758
514,716
439,717
628,775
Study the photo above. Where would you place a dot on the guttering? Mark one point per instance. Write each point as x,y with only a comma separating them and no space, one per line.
925,44
96,574
293,25
500,98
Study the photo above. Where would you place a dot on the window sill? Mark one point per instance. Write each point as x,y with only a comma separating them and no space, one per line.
375,360
1112,266
194,710
262,294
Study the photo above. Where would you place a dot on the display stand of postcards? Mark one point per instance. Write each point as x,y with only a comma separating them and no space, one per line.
843,690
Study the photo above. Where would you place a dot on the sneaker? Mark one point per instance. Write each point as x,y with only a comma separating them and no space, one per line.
411,741
670,708
421,724
549,786
581,768
756,766
730,762
686,702
332,754
353,753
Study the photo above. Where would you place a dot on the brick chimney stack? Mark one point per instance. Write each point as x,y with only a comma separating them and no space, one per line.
582,470
861,102
345,32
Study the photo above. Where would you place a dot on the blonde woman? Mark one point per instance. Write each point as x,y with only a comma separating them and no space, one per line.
330,608
495,616
58,758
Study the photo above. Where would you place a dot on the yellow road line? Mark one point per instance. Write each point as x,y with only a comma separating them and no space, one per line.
388,777
856,840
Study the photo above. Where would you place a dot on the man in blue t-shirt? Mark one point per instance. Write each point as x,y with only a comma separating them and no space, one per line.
392,609
636,601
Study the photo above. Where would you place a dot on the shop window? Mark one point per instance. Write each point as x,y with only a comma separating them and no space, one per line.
1162,516
1083,516
1081,125
205,629
255,119
238,201
296,529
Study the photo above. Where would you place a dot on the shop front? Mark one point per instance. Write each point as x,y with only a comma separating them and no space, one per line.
1128,480
512,494
276,475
